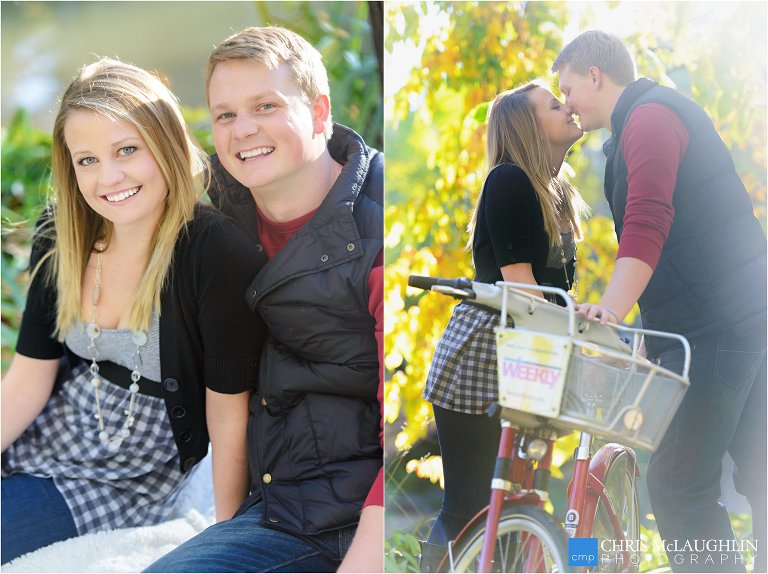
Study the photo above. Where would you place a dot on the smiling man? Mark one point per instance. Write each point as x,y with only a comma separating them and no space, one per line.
693,255
309,193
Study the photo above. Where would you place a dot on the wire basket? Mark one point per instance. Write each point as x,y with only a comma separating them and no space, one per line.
558,373
630,401
616,396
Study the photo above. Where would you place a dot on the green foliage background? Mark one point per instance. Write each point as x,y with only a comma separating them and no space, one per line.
339,30
462,54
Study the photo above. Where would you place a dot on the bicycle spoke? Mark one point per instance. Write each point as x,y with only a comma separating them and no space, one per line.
535,559
528,540
505,566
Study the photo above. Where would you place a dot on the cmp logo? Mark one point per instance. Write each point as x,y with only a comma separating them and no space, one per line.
582,552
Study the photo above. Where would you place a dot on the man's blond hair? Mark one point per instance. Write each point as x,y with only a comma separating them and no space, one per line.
273,46
595,48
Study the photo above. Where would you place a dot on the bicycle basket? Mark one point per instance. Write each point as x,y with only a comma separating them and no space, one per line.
612,395
630,401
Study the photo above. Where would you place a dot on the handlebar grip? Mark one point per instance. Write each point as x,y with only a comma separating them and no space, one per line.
420,282
427,283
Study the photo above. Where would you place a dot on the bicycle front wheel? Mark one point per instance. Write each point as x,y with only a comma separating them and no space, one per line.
619,553
528,540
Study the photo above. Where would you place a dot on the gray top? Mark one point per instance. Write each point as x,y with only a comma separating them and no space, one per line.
116,345
568,250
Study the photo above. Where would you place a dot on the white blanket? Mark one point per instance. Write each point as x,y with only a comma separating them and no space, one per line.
129,549
122,550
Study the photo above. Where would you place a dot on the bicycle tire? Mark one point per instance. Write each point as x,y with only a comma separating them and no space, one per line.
520,528
620,487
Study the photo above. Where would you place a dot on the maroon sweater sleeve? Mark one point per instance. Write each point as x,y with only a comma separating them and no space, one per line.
376,308
653,144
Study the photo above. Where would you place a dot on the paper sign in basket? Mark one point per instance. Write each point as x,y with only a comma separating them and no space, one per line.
532,370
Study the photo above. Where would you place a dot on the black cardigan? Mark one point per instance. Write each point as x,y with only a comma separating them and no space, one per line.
510,229
208,335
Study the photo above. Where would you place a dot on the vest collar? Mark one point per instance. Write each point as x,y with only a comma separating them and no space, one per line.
331,237
619,116
347,148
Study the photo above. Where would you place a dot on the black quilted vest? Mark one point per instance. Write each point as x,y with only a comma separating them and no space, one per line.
314,448
712,270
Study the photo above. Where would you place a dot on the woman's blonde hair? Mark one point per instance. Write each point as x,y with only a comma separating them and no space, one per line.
514,137
121,92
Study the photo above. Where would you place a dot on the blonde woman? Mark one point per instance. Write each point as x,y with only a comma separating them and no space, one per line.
137,303
524,228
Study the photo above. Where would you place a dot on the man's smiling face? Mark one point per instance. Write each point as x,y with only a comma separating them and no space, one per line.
264,130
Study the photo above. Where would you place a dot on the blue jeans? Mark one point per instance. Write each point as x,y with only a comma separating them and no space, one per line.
242,544
723,410
33,514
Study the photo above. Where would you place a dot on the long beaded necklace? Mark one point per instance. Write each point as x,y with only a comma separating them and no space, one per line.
573,289
139,338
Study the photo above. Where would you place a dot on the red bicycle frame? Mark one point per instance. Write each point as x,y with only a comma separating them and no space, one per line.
513,484
585,490
511,470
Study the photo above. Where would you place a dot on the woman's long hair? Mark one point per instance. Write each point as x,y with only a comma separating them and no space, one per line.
127,93
514,137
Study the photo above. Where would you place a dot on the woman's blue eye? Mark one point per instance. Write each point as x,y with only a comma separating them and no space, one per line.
267,106
127,150
225,116
86,161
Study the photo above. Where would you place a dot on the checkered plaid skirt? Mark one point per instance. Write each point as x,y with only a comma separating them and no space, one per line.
463,375
134,486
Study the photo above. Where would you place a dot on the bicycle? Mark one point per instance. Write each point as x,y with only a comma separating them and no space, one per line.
557,376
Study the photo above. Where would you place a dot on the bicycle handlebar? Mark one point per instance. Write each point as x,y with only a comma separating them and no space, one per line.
427,283
511,300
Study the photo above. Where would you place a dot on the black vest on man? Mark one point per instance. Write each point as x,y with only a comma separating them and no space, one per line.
712,270
314,448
